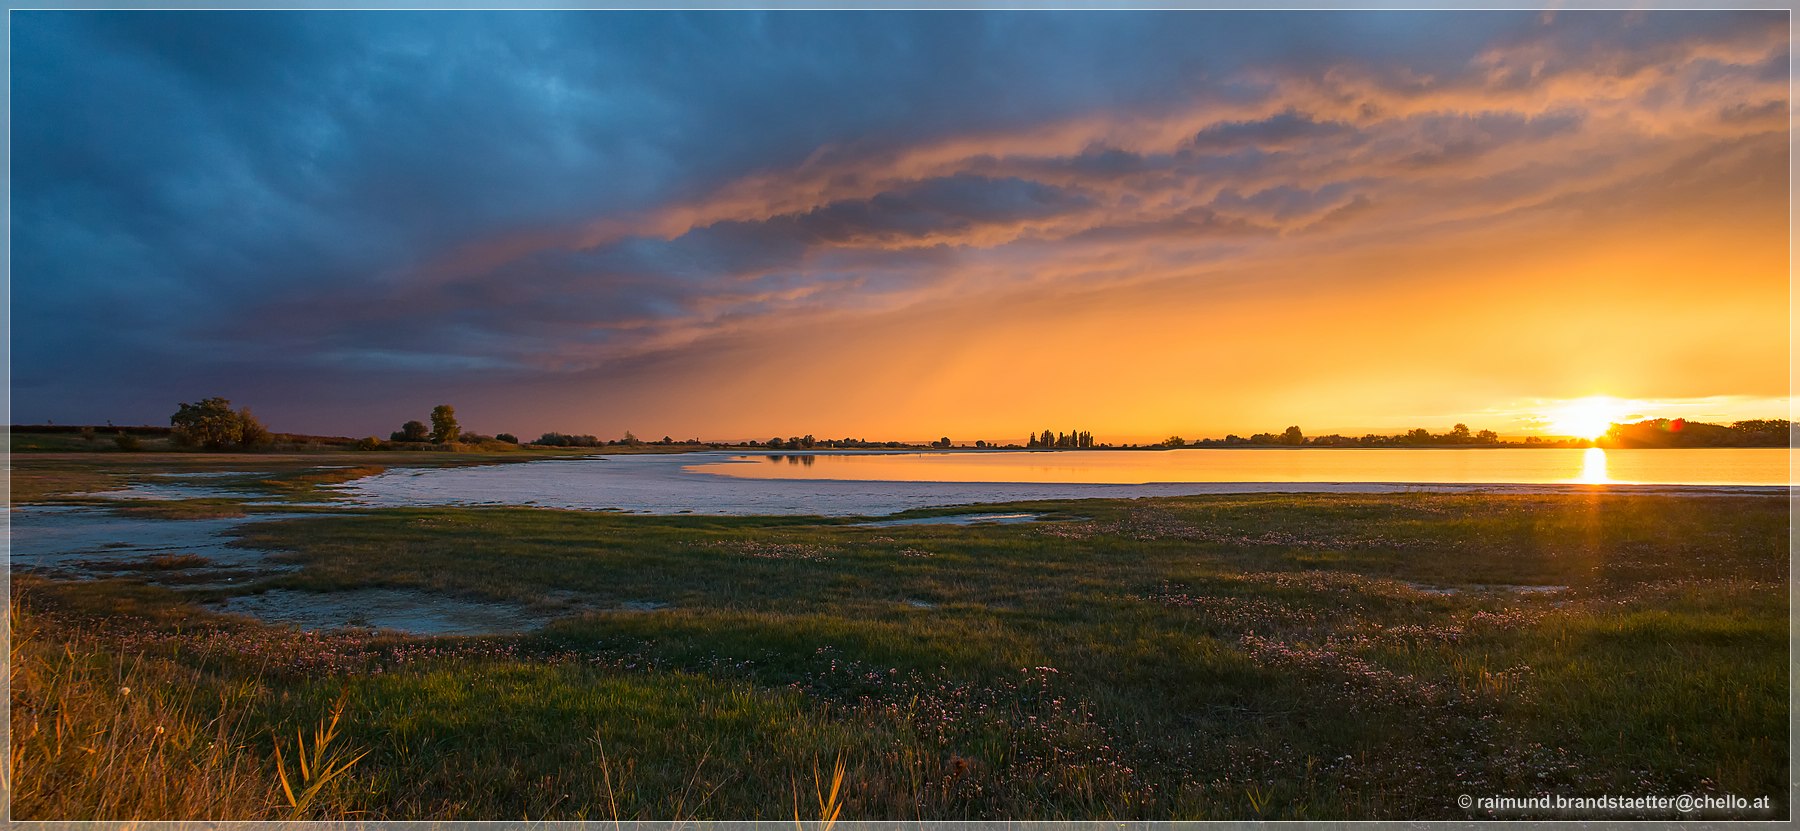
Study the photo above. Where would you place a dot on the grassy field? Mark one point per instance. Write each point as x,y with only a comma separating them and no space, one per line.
1227,657
69,477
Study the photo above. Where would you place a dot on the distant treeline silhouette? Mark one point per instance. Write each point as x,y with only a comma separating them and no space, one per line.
807,442
1664,432
1659,432
1293,436
1074,439
213,424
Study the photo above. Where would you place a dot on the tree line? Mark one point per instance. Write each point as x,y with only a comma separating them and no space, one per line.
1660,432
1293,436
213,424
1072,440
1666,432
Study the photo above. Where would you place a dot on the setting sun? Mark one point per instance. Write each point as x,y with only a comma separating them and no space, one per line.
1586,418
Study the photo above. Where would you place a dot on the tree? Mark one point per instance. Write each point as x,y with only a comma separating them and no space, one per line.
942,442
1460,434
444,428
413,431
508,438
252,433
1292,436
210,424
1174,441
369,443
1487,437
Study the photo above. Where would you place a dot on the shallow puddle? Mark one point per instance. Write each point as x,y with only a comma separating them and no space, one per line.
88,542
395,610
84,541
169,491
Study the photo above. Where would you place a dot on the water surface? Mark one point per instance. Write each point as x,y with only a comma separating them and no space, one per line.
1760,466
871,484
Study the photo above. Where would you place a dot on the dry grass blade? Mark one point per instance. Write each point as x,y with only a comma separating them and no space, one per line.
612,797
681,802
318,766
831,804
830,800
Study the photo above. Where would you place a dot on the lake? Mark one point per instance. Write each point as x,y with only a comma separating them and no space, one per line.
1515,466
849,483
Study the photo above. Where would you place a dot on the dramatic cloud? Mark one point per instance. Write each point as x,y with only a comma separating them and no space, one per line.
571,219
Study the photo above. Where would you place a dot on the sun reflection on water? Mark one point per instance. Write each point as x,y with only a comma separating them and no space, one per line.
1593,467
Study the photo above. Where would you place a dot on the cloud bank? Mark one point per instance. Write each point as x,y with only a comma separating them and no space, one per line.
572,219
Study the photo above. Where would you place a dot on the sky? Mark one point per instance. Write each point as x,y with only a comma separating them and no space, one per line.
900,225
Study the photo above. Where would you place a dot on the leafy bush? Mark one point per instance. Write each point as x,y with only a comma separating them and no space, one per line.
562,440
252,431
213,425
210,424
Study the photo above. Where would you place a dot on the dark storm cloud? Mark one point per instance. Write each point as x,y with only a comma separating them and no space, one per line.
1198,223
345,197
1274,131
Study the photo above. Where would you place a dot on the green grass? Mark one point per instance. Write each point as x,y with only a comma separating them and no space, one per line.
1226,657
68,476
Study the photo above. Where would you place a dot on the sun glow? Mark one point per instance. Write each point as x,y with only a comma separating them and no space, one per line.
1586,418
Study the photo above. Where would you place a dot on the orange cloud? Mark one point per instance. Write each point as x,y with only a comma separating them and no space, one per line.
1548,220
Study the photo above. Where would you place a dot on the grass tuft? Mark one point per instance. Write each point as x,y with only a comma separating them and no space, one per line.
319,766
